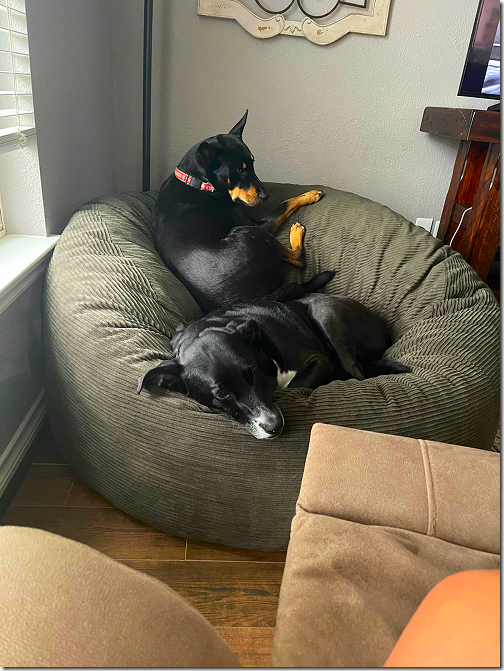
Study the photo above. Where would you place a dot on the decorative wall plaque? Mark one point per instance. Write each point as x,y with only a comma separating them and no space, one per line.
320,21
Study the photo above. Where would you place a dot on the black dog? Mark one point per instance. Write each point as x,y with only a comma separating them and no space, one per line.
234,359
204,233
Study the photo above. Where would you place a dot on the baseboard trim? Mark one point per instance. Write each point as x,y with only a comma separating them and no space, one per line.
20,443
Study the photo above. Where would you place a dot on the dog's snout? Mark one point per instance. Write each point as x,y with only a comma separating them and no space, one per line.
273,429
263,194
269,424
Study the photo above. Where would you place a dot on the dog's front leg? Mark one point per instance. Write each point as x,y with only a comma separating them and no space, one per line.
295,255
273,221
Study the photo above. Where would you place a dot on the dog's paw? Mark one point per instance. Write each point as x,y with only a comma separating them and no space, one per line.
312,196
297,233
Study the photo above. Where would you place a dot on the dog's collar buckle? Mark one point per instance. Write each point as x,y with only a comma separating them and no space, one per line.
193,181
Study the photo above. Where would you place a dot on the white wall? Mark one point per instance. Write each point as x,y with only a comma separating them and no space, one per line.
71,64
346,115
22,201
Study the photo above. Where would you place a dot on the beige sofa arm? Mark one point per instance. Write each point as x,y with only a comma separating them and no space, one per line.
63,604
446,491
380,520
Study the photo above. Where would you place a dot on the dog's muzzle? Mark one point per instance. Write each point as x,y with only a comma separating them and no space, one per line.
268,425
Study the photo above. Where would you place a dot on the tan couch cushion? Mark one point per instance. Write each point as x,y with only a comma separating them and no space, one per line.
65,604
447,491
380,520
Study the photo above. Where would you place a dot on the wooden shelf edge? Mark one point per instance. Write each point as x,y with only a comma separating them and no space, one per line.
462,123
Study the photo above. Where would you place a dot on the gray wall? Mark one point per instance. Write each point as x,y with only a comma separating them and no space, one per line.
21,375
346,115
127,29
71,64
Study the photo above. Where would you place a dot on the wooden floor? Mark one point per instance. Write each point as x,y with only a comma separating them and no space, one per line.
237,590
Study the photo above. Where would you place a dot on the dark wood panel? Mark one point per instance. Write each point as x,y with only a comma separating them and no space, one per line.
487,237
83,496
469,184
252,645
458,213
485,126
228,594
474,219
449,203
106,529
470,220
462,123
447,121
204,551
44,485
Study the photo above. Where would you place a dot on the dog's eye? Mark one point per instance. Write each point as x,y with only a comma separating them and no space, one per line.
221,395
238,169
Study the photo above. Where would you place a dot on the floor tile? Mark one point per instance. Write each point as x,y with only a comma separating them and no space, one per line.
106,529
44,485
213,551
44,447
228,594
252,645
83,496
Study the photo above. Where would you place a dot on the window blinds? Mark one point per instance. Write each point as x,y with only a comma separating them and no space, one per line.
17,123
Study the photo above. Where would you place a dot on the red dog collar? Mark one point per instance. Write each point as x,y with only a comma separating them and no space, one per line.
193,181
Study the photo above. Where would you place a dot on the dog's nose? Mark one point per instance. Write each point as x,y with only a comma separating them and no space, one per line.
263,194
273,426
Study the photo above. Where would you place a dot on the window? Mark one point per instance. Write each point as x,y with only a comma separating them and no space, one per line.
24,246
17,121
21,202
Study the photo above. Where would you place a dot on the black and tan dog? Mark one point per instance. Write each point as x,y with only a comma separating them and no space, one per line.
204,233
233,359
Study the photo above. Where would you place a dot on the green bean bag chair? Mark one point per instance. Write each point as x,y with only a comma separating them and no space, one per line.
111,307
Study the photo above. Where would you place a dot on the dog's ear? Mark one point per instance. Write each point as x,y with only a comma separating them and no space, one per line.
207,154
166,376
238,128
248,329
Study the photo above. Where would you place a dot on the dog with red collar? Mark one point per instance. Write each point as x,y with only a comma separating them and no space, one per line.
205,234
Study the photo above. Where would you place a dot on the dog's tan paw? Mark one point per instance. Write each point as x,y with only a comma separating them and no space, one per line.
297,233
312,196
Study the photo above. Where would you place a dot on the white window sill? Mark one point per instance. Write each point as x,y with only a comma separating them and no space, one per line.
22,259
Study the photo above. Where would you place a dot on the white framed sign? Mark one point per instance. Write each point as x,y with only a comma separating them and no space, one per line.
297,17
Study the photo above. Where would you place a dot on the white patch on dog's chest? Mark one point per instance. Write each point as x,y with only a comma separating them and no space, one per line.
284,378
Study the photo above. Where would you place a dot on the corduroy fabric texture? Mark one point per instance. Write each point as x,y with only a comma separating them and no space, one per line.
111,306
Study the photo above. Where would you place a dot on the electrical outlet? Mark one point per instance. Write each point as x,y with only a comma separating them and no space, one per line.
424,223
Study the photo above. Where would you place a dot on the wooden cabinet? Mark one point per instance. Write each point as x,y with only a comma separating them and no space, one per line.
470,221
